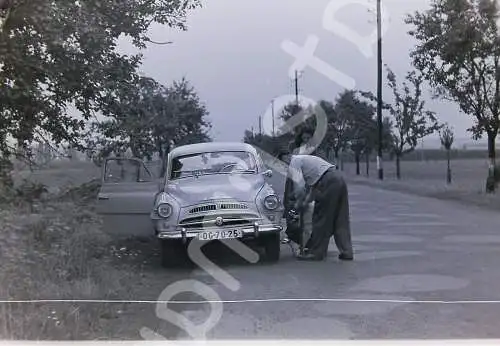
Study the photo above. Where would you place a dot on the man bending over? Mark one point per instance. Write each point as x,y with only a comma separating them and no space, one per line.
315,179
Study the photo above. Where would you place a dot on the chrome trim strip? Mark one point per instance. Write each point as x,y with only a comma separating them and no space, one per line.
192,233
212,222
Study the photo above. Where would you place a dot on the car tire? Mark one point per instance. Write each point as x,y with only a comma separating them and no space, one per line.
173,254
272,247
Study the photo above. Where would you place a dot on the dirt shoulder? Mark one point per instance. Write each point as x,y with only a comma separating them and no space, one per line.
429,188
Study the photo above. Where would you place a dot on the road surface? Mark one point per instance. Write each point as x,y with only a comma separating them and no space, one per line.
416,261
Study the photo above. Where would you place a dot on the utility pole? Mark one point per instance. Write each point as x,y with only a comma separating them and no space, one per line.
296,81
379,90
272,114
260,125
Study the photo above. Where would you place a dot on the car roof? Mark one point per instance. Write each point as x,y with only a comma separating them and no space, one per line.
211,146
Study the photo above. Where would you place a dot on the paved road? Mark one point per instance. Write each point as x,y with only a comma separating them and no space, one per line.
409,250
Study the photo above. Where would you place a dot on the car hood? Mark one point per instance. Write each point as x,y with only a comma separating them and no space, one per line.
240,187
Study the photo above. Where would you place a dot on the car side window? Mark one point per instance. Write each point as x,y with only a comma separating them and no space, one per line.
126,171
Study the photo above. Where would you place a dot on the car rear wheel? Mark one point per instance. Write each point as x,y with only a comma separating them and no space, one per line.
272,247
173,253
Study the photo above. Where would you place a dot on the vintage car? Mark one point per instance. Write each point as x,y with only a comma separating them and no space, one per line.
210,191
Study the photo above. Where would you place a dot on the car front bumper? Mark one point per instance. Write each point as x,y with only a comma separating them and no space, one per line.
252,231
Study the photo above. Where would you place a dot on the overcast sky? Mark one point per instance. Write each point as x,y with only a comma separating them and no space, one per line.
233,55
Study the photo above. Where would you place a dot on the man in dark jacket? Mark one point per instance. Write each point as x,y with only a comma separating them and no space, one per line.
315,179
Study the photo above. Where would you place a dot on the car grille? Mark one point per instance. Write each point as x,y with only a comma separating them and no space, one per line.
240,220
203,208
218,206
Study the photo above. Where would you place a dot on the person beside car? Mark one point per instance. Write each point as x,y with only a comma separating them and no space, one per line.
310,178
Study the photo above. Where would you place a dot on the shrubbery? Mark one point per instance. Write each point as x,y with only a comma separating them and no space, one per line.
27,193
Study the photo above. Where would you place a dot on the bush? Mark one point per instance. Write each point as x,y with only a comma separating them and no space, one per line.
26,193
83,194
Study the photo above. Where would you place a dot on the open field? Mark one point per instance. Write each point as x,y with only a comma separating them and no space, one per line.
428,178
434,155
60,175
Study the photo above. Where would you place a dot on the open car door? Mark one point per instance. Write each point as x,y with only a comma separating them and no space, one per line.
126,197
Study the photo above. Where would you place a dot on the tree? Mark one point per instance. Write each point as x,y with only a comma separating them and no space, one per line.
387,135
459,54
361,129
60,53
339,117
369,146
447,137
146,118
289,130
411,122
297,121
192,124
284,134
249,137
128,119
268,144
373,140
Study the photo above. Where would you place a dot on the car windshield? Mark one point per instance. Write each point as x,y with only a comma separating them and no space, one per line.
218,162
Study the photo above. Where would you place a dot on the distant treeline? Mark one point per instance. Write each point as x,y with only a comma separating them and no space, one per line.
430,155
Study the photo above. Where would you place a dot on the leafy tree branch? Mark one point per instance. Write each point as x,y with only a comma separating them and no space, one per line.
459,54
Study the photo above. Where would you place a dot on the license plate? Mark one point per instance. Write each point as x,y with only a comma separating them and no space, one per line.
215,235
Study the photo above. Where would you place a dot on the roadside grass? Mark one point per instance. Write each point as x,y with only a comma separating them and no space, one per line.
55,249
428,179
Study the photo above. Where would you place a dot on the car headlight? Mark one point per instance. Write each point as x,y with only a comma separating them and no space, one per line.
271,202
164,210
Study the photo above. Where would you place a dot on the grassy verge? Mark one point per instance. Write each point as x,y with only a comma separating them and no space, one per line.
57,250
456,193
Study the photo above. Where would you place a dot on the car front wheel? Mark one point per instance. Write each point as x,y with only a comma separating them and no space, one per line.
272,247
173,253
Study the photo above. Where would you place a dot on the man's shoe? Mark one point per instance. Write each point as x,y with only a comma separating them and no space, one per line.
305,250
344,257
309,257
